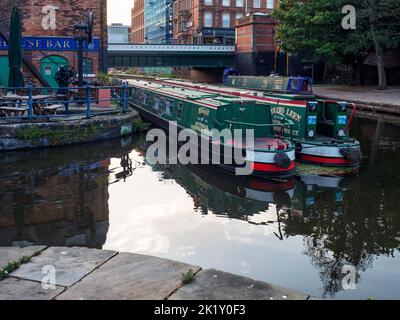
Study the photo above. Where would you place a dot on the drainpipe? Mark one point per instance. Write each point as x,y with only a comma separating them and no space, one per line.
103,38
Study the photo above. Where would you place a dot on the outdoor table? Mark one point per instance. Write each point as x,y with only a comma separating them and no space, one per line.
13,111
39,103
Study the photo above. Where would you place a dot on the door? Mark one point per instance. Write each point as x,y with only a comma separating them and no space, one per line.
4,70
49,67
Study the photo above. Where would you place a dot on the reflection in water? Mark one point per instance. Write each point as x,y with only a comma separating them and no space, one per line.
58,197
298,233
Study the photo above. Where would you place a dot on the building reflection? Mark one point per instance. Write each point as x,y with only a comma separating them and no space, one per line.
59,197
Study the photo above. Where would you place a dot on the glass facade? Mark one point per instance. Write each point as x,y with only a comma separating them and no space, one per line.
118,33
158,21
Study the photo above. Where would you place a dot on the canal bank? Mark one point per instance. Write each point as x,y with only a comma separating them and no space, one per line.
74,130
60,273
366,98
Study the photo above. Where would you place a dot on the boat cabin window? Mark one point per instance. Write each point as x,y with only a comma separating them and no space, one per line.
180,110
145,98
169,107
162,105
156,103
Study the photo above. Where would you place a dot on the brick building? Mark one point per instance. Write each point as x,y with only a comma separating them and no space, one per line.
47,28
255,44
213,21
137,35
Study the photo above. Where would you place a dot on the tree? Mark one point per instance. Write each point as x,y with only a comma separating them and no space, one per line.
316,26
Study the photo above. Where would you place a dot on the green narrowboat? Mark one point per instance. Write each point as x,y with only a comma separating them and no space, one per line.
290,85
209,114
321,126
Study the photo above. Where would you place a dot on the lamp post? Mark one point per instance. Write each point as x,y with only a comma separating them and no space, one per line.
83,32
80,36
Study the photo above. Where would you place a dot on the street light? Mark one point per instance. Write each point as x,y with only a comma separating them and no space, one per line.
83,32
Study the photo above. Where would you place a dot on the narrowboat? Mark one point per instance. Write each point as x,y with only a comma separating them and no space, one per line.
321,126
208,114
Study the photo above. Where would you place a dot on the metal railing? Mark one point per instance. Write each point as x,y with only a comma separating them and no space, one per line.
31,102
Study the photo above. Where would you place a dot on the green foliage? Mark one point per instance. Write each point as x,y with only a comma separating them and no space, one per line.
188,277
12,266
57,136
138,125
316,26
105,79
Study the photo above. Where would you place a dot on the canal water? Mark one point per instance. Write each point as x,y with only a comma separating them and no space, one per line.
328,236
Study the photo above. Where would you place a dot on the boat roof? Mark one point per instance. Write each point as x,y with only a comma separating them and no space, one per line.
213,100
287,99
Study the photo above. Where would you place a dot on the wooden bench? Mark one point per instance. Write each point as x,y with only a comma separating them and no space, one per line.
52,109
13,111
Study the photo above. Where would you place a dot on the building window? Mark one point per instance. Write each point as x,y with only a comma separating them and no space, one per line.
239,3
257,3
208,2
226,20
87,67
239,16
270,4
208,17
226,3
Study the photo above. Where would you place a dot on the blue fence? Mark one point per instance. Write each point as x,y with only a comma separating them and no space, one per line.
31,102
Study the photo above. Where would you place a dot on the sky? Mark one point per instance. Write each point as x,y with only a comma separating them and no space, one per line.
119,11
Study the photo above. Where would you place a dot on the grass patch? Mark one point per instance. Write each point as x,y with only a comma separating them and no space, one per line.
188,277
14,265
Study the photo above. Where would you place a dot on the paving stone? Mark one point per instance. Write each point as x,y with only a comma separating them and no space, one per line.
18,289
71,264
217,285
130,277
10,254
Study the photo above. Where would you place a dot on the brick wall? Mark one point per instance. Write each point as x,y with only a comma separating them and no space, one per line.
255,48
67,14
256,34
138,22
197,8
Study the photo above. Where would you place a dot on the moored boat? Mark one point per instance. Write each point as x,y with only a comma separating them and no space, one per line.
209,114
321,130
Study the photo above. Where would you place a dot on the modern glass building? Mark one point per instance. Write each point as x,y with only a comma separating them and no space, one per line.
118,33
158,21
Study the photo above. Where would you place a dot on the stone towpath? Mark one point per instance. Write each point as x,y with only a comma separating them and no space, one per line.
91,274
365,97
